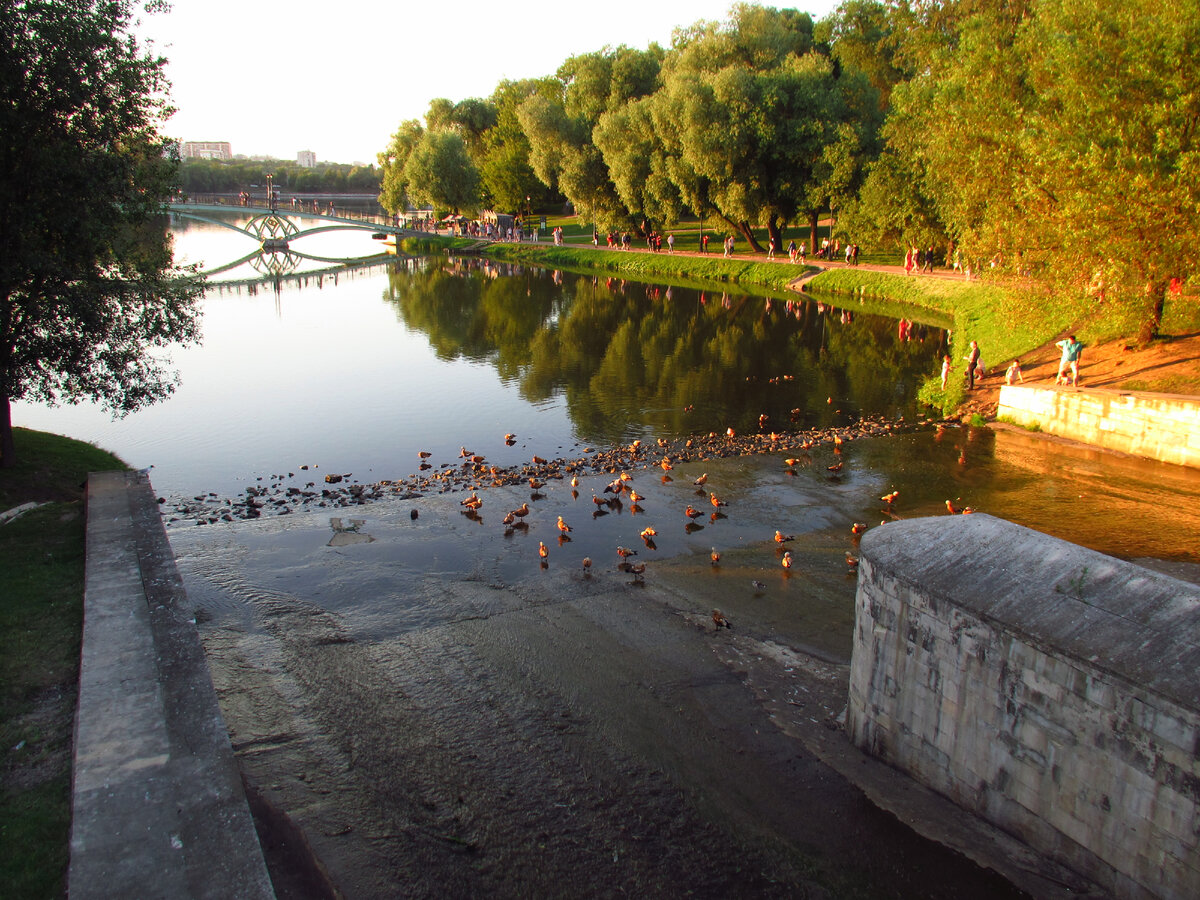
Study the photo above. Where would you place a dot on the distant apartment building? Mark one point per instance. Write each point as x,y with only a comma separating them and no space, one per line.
306,159
206,150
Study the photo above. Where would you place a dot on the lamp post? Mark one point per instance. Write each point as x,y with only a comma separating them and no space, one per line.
270,193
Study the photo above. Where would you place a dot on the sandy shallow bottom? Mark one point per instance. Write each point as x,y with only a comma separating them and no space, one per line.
438,714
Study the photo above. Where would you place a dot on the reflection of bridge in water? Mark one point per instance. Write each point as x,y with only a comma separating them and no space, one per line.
275,230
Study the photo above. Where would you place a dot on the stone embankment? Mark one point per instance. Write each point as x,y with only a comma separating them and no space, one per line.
1165,427
1048,688
158,808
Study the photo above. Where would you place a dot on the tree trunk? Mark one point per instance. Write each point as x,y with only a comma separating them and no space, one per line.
1156,298
8,449
748,234
813,225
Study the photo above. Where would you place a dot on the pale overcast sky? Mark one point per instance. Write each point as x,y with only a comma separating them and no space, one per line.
337,78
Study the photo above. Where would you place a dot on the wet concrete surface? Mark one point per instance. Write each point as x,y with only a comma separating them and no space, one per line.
436,712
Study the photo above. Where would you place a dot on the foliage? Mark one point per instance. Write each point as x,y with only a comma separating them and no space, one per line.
88,290
439,172
508,179
560,127
1052,139
221,176
393,195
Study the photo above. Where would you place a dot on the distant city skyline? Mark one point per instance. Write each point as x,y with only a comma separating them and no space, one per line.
339,84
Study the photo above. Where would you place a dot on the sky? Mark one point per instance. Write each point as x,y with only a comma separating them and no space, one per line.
338,78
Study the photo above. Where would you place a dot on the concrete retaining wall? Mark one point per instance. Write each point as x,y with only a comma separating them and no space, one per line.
158,808
1052,690
1157,426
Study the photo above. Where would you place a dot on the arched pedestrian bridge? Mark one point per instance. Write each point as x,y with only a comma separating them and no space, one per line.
274,229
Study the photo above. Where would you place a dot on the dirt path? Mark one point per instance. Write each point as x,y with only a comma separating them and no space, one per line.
1118,365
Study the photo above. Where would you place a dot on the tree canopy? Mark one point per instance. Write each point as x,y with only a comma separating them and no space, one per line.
88,290
1050,140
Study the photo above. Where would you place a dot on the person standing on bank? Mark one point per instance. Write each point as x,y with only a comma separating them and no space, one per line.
1071,349
972,359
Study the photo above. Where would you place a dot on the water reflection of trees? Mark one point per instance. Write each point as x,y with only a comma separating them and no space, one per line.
631,357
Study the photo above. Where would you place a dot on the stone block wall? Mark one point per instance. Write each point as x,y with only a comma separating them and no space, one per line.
1157,426
1052,690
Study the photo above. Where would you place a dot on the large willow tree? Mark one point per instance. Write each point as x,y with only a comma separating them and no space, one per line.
88,289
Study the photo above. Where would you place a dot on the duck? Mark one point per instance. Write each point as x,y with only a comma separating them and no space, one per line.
543,550
424,454
587,563
836,467
716,501
563,526
781,538
521,511
625,552
648,532
851,561
692,513
701,480
720,620
787,559
858,527
890,498
715,556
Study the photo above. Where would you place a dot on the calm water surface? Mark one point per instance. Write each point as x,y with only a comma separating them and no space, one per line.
358,371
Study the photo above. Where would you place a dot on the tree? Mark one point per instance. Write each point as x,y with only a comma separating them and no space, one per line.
393,195
440,172
507,177
88,290
560,127
753,122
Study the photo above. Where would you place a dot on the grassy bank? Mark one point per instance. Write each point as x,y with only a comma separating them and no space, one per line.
41,620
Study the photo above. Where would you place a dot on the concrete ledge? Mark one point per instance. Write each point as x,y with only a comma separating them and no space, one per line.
1050,689
1165,427
158,804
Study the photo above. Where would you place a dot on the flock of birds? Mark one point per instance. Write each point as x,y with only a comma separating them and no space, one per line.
475,473
620,494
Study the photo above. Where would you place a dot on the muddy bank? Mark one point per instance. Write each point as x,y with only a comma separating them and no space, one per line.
437,714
